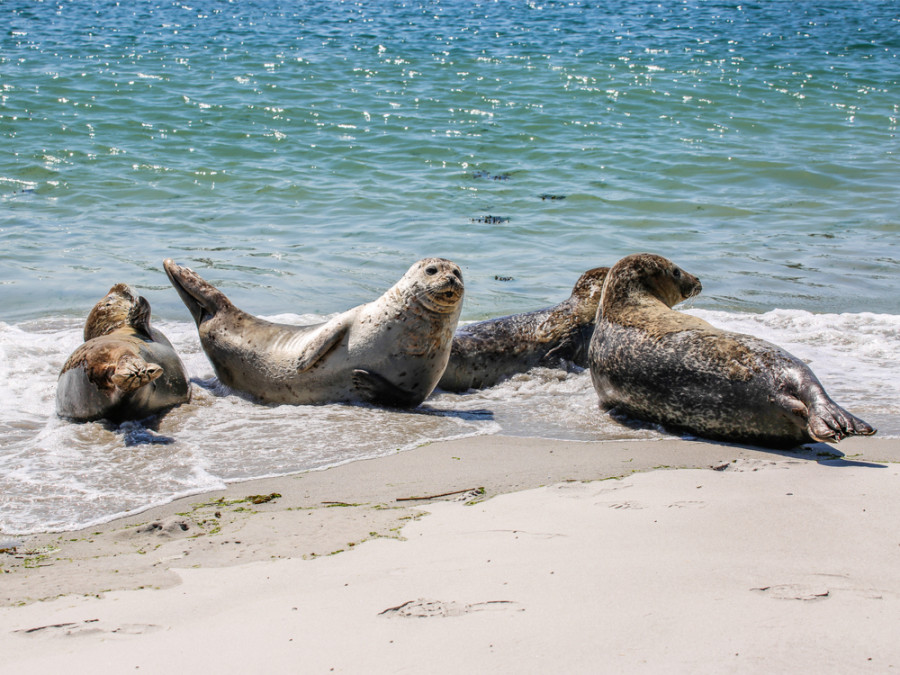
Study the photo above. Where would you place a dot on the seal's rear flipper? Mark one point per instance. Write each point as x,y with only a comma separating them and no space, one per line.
133,372
376,389
829,422
201,298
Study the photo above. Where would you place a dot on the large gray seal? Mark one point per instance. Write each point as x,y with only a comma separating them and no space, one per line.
656,364
391,351
125,369
486,352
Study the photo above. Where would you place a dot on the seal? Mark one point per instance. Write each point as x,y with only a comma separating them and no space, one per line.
391,351
125,369
486,352
659,365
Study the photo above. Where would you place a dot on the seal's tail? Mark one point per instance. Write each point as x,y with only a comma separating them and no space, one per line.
201,298
829,422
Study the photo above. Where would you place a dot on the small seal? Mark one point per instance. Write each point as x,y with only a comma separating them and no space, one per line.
655,364
391,351
125,369
484,353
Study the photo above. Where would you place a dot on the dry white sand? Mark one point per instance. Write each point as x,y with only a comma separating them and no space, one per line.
756,562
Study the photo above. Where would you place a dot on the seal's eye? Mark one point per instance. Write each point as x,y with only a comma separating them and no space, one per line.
457,274
431,270
676,273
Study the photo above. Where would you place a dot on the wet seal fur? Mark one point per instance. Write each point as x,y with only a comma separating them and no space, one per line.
391,351
125,370
486,352
655,364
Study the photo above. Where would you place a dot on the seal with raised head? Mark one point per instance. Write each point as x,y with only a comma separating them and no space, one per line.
391,351
656,364
486,352
125,369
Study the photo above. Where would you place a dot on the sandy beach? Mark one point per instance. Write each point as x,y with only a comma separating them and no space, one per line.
489,554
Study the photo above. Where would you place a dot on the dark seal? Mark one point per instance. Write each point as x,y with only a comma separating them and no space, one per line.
655,364
486,352
125,370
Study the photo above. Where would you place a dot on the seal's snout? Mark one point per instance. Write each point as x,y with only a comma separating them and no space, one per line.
451,290
454,281
686,284
695,288
439,284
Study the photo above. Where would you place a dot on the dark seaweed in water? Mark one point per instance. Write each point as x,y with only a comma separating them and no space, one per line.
487,175
490,220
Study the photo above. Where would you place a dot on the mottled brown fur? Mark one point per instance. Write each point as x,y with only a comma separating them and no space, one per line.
125,369
653,363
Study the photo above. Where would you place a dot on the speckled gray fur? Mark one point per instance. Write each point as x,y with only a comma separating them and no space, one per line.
486,352
655,364
391,351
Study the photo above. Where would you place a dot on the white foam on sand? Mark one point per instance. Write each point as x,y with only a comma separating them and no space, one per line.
55,475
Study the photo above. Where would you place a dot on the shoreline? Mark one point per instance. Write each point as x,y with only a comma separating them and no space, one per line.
200,566
352,502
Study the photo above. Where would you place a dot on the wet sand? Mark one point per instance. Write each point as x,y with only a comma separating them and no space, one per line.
490,553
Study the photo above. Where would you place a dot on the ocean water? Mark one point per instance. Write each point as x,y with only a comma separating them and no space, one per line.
302,155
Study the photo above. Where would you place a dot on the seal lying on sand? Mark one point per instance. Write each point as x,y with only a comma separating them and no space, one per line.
390,351
484,353
653,363
125,370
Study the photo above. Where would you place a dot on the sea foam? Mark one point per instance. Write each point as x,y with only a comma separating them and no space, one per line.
55,475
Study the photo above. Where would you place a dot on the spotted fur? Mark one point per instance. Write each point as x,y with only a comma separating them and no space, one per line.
486,352
125,369
391,351
655,364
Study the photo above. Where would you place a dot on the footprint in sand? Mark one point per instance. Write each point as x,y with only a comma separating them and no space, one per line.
744,465
624,505
169,528
821,586
687,504
794,592
86,628
428,609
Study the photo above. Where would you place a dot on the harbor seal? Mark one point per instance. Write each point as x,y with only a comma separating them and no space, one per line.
391,351
125,369
659,365
484,353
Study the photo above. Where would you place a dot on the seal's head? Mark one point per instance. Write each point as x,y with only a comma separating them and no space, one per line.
122,306
437,284
587,292
635,277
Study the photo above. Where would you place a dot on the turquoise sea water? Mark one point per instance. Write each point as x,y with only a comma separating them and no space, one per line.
302,155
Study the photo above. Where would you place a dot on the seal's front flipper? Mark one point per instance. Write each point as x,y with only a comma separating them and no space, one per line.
563,352
133,372
376,389
321,342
